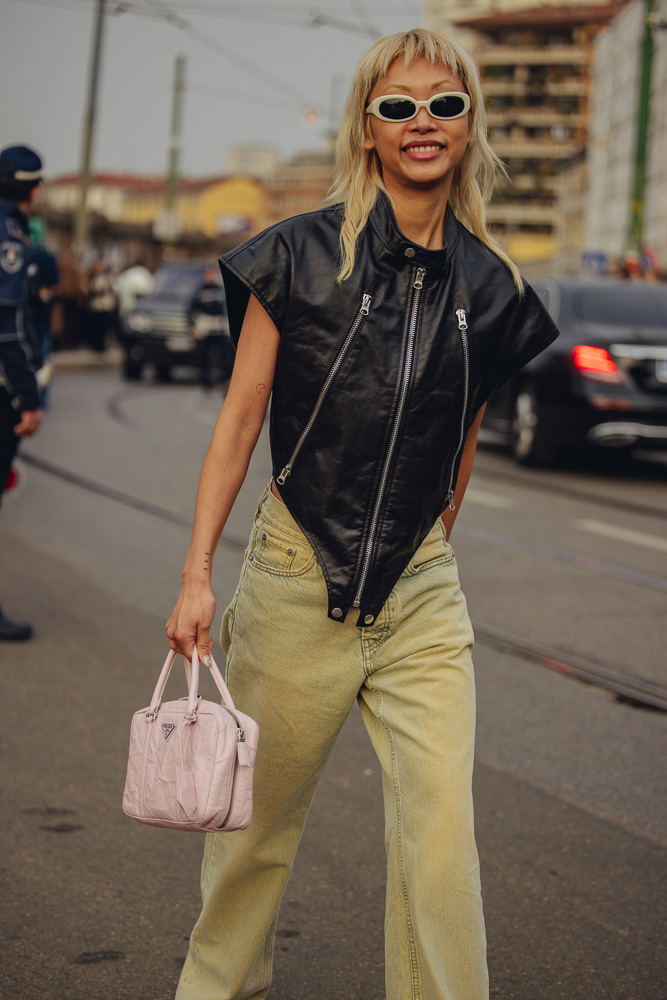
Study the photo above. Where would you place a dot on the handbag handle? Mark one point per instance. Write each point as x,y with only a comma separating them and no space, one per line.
192,676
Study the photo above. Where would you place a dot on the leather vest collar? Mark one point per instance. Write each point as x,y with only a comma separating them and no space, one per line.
399,248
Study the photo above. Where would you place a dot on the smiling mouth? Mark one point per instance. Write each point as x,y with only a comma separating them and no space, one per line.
422,148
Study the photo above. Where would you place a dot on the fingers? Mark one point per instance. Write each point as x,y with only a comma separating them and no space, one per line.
184,641
29,423
190,624
204,648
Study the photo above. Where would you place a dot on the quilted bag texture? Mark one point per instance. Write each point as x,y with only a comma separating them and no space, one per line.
191,761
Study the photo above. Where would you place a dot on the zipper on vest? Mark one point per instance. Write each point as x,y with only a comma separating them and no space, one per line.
463,334
406,375
357,322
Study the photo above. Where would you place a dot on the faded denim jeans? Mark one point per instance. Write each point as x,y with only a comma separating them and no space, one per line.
298,673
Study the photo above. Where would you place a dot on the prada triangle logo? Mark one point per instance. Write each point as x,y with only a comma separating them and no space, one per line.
167,729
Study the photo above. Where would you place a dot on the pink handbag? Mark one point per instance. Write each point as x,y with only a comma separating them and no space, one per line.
191,761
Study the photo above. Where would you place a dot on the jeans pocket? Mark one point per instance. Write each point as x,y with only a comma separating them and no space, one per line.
279,553
433,551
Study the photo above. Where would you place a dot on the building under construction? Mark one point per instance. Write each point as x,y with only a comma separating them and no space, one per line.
536,74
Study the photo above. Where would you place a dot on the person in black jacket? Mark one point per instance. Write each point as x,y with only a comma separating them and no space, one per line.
382,324
20,407
207,320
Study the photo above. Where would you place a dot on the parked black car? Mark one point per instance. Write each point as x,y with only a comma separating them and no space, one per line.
158,330
602,383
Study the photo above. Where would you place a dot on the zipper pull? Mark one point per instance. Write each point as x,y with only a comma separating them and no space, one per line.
365,304
242,752
283,475
449,500
462,318
419,280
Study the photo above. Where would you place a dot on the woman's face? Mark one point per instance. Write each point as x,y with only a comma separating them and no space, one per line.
425,151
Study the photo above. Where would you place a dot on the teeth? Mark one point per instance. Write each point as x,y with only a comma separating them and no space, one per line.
423,149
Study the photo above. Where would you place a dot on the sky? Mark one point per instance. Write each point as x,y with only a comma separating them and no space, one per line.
282,67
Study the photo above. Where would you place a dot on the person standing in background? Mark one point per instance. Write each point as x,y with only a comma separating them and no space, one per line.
20,407
44,278
207,319
135,281
66,318
100,309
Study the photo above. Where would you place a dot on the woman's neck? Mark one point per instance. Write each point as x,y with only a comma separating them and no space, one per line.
420,215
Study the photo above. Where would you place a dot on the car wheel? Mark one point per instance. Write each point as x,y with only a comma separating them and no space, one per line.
530,444
163,373
132,370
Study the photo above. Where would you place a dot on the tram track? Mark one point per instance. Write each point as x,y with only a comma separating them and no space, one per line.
539,484
624,686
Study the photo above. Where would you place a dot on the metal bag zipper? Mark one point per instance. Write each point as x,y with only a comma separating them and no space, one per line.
406,375
364,309
463,333
240,739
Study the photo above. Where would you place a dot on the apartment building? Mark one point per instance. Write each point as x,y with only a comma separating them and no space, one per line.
612,142
535,66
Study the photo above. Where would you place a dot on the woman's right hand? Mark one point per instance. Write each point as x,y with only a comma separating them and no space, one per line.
191,620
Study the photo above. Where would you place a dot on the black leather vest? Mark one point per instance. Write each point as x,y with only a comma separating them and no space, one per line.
378,380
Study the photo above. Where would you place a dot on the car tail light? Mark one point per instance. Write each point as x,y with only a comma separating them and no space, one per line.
596,363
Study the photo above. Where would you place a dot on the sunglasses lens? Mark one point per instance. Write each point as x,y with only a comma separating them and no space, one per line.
447,107
397,109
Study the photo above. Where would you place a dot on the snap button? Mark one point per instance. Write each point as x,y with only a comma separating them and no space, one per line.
264,537
290,552
409,251
336,613
368,620
251,558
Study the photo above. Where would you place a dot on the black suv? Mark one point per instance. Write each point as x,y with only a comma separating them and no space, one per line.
157,330
602,383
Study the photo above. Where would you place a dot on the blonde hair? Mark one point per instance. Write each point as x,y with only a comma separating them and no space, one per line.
358,172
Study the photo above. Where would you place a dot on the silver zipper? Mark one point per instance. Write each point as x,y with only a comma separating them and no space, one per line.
364,309
463,333
418,284
240,738
240,731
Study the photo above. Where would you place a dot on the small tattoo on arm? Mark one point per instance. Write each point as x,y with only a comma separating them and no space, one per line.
260,388
206,561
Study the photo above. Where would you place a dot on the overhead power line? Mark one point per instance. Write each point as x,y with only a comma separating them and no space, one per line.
359,7
239,96
227,53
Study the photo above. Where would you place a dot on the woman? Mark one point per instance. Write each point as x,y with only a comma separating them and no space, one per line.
382,324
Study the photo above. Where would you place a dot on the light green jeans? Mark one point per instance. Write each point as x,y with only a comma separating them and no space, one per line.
298,673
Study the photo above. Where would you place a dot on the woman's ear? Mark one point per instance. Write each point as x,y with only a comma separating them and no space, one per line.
369,143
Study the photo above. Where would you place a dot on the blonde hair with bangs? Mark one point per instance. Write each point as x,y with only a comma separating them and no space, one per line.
358,172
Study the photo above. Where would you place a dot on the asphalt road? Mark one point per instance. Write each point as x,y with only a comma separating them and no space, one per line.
566,575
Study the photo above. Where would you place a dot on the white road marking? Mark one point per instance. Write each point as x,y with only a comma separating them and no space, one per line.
485,499
629,535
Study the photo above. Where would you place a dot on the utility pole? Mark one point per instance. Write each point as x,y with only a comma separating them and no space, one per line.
636,230
81,225
175,137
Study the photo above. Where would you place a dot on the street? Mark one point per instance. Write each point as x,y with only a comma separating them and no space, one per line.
565,573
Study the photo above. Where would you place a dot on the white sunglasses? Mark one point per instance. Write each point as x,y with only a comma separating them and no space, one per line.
399,108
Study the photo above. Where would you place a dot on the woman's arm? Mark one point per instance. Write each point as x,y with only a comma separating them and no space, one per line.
234,438
465,469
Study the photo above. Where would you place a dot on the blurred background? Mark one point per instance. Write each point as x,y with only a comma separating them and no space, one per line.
171,131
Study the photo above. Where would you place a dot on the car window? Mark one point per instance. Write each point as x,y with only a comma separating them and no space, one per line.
543,294
178,283
629,305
